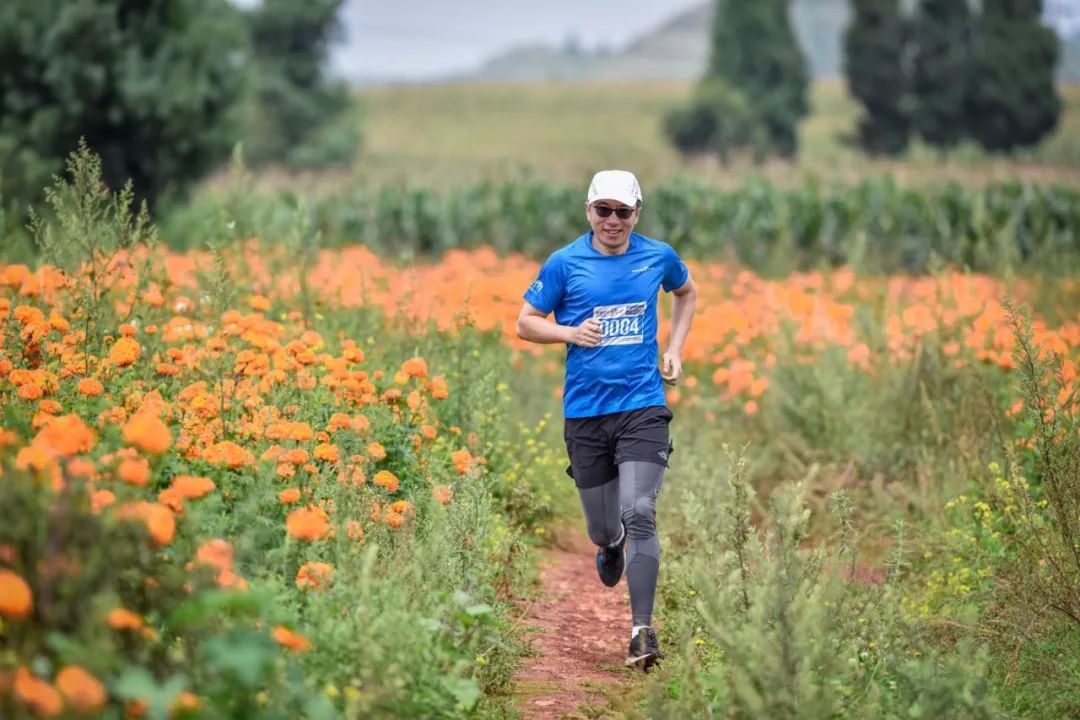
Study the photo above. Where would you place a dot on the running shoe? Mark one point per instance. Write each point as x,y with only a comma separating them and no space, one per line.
610,562
644,650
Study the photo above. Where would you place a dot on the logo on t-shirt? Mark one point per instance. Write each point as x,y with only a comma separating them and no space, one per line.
621,324
536,286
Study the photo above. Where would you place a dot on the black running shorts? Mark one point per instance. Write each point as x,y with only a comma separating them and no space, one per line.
597,445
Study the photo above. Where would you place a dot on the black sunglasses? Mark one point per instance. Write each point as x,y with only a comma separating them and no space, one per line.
623,213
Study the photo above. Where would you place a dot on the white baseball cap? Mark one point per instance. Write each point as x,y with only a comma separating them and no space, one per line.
619,185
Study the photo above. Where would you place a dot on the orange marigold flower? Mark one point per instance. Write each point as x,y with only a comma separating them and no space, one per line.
147,432
259,303
185,701
229,580
216,553
124,352
290,639
429,431
30,392
339,421
403,507
172,500
123,619
82,691
33,458
462,459
394,519
285,470
164,368
314,576
437,387
443,494
289,495
8,438
386,479
65,435
376,451
296,456
229,454
49,407
191,487
81,467
158,519
307,524
360,424
35,693
16,599
91,387
327,452
134,471
101,499
354,530
415,367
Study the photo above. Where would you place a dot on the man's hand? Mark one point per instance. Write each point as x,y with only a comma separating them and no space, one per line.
587,334
672,368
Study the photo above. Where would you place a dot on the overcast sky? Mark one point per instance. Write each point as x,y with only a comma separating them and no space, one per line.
414,39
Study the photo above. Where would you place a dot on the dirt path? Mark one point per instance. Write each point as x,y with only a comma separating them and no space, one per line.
580,630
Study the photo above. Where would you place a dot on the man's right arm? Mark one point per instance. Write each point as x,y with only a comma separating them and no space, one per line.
533,325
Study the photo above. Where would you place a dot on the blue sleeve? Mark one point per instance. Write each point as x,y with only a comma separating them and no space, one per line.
675,271
547,291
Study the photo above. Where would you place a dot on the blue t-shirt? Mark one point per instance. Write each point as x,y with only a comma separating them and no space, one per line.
579,282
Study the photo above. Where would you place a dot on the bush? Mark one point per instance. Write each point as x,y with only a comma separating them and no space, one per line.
717,121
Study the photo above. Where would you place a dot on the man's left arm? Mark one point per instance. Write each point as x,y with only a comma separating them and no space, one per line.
682,313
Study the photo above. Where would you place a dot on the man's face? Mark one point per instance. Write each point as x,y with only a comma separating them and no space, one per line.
611,231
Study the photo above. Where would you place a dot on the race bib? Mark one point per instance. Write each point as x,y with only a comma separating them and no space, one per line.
621,324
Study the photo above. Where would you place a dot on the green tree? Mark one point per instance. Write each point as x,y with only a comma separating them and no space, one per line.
876,48
150,85
299,115
1014,102
716,121
941,74
754,50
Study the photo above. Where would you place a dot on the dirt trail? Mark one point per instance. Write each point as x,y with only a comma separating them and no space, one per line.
581,630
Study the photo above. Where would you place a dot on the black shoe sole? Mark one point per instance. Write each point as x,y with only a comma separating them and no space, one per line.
600,572
643,662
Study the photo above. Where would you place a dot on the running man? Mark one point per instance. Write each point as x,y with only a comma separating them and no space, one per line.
603,291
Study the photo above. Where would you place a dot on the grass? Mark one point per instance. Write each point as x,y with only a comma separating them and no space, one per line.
444,135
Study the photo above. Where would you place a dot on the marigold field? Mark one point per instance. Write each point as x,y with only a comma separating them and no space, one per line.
239,484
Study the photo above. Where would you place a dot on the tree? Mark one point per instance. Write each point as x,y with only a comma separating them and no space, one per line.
299,115
1014,102
876,47
716,121
755,51
941,74
150,85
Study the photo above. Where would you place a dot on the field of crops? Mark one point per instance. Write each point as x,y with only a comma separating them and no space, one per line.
445,135
296,467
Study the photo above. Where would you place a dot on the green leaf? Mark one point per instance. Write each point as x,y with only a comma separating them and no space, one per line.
245,654
479,609
139,684
465,690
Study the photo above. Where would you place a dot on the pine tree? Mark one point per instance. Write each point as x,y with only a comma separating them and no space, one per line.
876,47
941,74
1013,101
755,51
150,85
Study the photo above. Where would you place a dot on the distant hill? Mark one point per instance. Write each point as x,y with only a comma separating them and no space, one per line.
678,49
